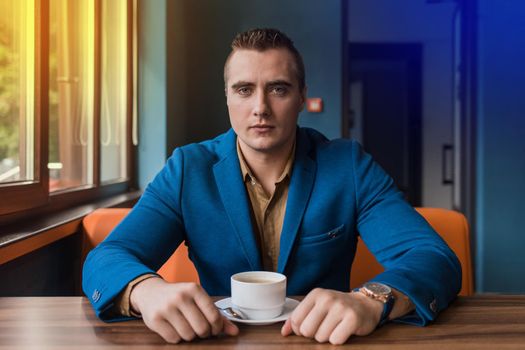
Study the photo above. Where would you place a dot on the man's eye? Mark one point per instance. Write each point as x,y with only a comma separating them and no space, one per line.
244,91
279,90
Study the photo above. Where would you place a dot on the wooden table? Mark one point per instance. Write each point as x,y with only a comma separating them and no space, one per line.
480,322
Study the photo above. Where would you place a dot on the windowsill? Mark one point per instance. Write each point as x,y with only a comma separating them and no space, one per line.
18,239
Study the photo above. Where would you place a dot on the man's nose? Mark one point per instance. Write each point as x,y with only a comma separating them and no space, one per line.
261,107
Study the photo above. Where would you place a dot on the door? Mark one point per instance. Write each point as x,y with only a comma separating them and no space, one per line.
385,103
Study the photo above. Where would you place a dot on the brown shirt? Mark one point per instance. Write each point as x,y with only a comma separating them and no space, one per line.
267,209
267,217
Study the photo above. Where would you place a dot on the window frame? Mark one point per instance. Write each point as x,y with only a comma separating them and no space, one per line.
30,198
28,194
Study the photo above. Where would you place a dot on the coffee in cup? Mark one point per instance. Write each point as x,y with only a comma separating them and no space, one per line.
258,295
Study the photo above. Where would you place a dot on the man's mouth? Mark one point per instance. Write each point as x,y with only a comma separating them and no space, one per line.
261,127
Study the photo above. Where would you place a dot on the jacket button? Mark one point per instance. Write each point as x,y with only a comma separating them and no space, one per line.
433,306
96,295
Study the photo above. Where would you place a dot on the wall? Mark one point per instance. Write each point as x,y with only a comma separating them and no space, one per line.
53,270
151,154
501,147
415,21
183,90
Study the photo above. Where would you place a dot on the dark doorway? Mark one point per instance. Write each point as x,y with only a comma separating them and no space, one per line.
385,89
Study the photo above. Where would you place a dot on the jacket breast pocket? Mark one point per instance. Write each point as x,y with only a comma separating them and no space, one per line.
329,236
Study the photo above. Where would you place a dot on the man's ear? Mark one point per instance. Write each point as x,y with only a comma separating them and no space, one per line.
226,94
303,97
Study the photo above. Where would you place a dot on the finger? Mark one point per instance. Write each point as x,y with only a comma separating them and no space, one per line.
229,328
210,312
166,331
327,327
301,311
313,320
286,330
342,331
180,324
194,316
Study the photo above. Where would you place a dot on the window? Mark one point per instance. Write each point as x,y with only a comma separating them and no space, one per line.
66,85
71,93
113,101
16,90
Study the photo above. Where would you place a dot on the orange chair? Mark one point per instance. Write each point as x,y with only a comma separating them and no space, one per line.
451,225
98,224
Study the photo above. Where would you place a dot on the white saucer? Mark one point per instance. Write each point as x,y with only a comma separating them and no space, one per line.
289,306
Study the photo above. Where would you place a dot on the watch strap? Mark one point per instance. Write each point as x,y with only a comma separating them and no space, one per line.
388,305
387,309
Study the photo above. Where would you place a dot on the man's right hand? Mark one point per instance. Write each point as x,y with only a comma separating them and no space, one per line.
178,311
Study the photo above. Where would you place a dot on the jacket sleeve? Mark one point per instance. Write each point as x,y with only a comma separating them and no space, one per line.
140,244
417,261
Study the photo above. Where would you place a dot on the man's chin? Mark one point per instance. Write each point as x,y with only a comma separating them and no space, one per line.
263,147
265,144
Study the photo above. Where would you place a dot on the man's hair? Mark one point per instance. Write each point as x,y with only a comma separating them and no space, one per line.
262,39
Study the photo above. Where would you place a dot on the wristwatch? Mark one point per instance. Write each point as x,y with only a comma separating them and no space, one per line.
383,293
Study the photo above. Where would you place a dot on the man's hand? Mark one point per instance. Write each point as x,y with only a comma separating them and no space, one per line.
178,311
329,315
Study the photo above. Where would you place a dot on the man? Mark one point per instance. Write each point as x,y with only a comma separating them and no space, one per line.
270,195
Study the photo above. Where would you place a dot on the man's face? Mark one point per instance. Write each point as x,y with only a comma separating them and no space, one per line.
264,99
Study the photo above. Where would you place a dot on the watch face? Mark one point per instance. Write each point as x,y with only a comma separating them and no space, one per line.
378,288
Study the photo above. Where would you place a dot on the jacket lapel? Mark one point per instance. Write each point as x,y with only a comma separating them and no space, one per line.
303,176
228,177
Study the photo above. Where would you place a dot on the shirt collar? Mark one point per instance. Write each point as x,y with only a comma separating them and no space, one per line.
247,173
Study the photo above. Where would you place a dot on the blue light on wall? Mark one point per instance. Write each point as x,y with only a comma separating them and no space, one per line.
501,147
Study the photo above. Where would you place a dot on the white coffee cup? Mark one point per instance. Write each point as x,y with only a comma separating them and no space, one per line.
258,295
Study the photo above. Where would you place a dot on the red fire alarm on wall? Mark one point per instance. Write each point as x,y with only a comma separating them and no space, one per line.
314,104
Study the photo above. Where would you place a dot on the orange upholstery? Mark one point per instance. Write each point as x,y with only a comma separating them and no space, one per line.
99,224
450,225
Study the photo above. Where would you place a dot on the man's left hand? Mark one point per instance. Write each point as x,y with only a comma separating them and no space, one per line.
329,315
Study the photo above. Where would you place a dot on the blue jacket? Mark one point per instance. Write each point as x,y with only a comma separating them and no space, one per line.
336,192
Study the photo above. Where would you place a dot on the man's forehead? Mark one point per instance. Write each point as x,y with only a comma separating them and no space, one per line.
271,64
